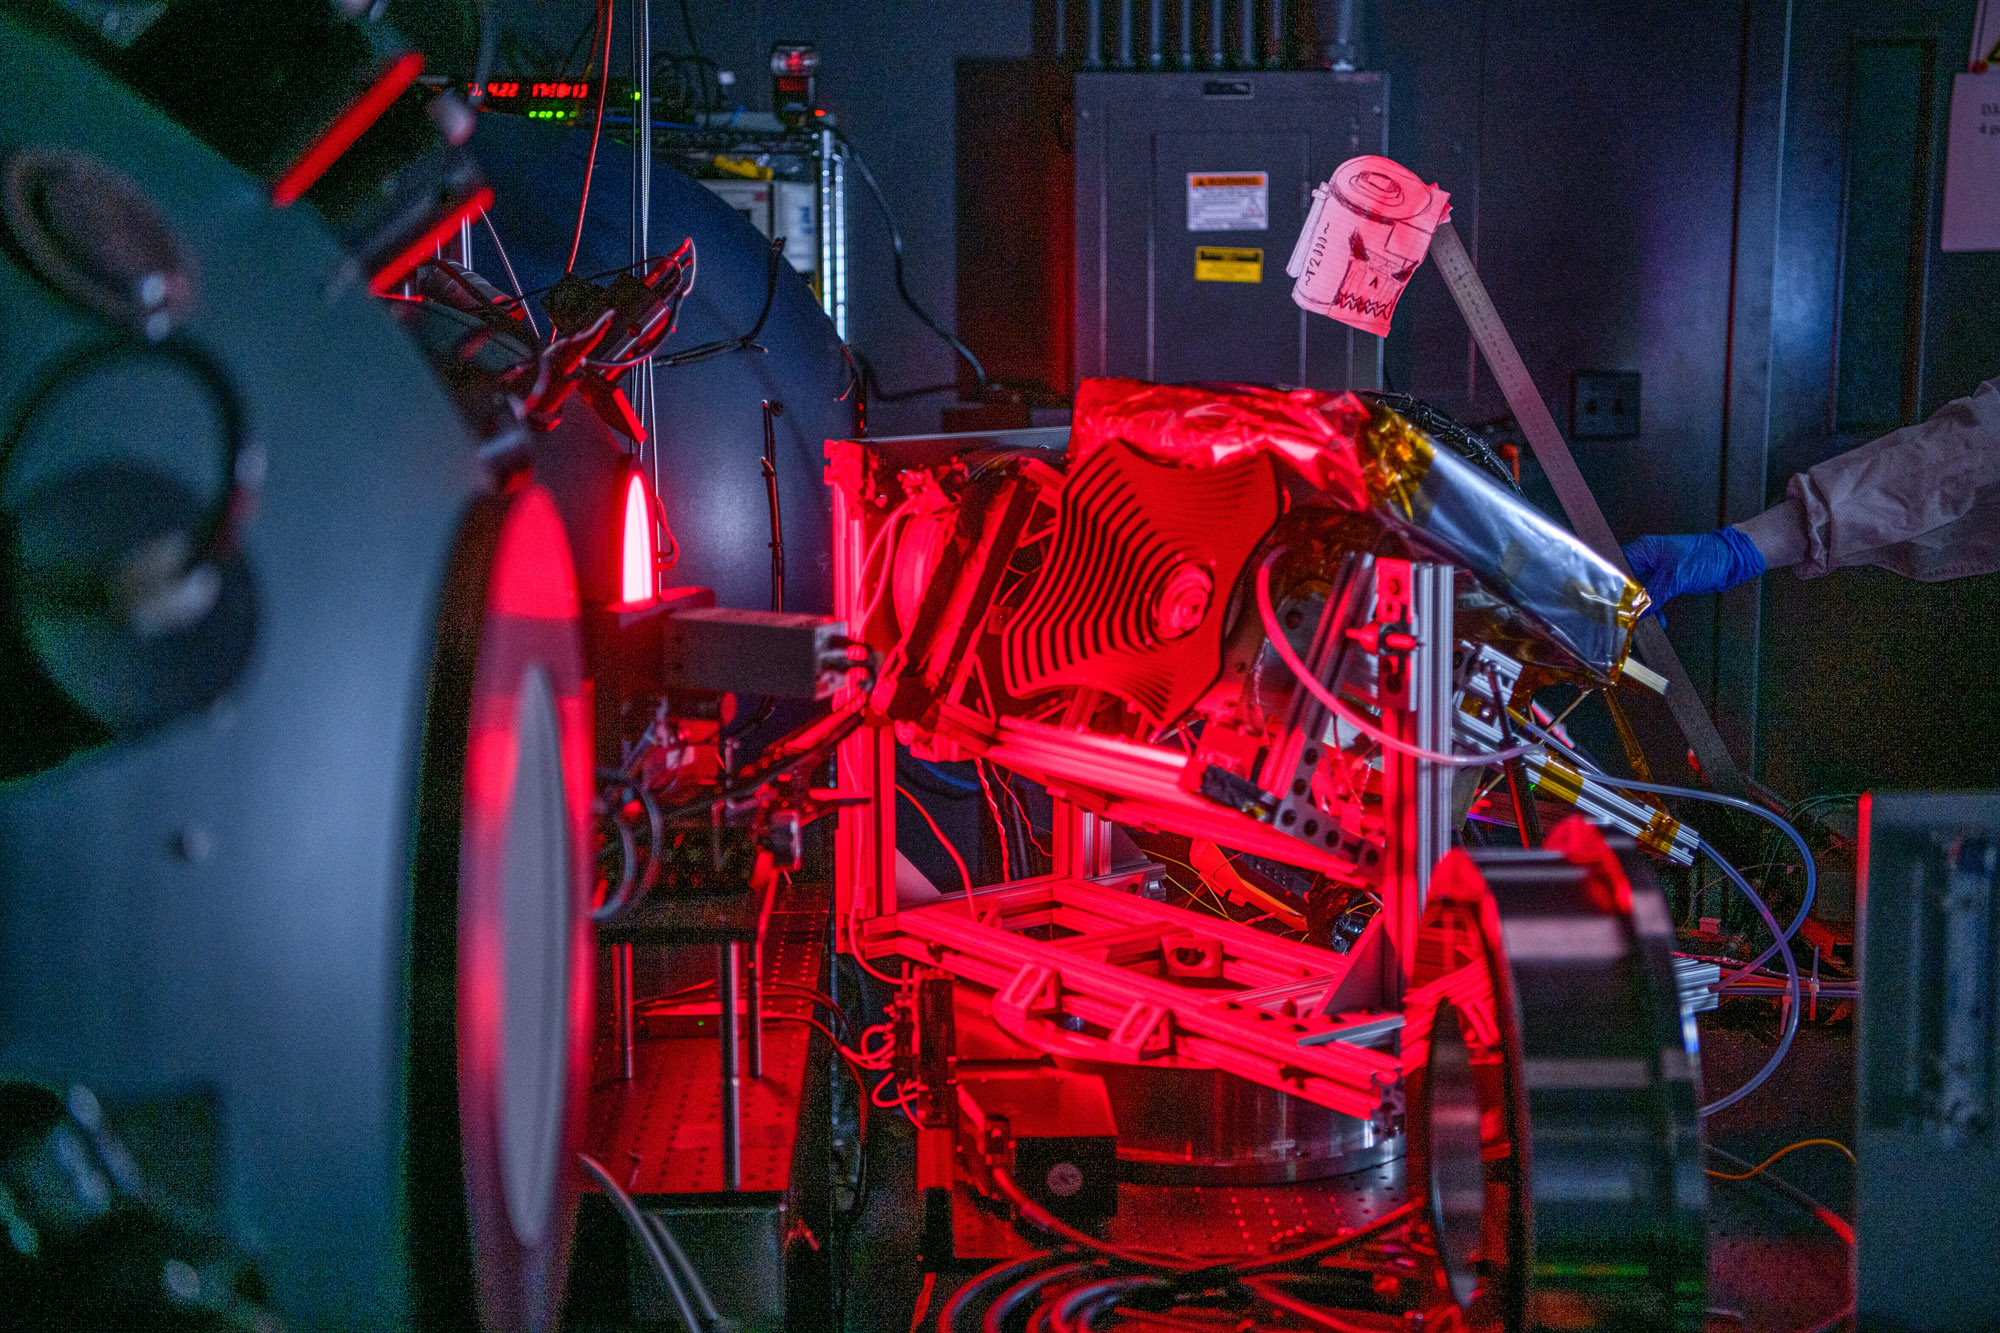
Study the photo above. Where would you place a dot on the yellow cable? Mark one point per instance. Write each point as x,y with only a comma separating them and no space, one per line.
1788,1148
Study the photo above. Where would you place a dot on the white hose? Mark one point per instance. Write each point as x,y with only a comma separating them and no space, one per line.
1781,939
1694,794
1339,709
1784,948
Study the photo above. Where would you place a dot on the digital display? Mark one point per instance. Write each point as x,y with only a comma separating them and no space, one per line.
557,90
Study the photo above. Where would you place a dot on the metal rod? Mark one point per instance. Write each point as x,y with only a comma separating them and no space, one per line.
1062,29
1246,41
1274,47
756,1024
1156,49
1187,33
622,1002
642,211
1344,50
1093,34
1215,31
1125,20
729,972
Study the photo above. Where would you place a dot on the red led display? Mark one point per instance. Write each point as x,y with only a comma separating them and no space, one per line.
502,90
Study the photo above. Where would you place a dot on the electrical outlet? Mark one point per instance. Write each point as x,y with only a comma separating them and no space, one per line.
1605,405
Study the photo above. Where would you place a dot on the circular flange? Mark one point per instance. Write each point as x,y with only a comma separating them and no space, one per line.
503,947
94,236
1544,1009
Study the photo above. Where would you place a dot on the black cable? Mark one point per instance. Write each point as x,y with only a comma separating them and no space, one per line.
648,1241
1014,1297
1525,818
1007,1271
694,47
871,384
1037,1216
750,782
592,277
679,1257
589,31
628,869
632,889
489,43
1078,1310
1826,1216
744,342
457,276
1382,1225
749,719
902,287
772,411
1446,430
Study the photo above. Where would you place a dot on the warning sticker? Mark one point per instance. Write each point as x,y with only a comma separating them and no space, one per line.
1228,263
1229,201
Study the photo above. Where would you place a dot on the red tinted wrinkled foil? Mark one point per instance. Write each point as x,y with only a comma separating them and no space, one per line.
1308,431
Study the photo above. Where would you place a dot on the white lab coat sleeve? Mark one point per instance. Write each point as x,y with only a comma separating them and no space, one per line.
1923,501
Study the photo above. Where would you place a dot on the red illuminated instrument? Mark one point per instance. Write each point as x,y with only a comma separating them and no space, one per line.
638,543
1197,623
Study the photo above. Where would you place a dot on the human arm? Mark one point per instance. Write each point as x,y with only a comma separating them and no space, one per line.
1923,501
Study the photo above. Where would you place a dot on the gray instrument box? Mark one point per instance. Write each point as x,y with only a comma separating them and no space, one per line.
1190,192
783,654
1929,1140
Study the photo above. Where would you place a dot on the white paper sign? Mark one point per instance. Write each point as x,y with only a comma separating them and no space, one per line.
1229,201
1972,165
1369,228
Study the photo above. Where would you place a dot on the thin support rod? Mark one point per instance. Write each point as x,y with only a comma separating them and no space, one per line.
1187,33
1216,28
756,1023
622,1002
1093,35
1156,33
1125,21
729,974
642,209
1246,25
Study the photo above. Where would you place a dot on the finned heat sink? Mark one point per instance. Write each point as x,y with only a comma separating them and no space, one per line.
1145,556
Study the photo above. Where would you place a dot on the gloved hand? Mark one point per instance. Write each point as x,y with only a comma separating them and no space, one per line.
1705,562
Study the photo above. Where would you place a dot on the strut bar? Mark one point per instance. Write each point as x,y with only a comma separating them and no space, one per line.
1718,766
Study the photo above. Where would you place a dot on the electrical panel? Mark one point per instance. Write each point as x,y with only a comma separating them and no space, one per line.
1190,190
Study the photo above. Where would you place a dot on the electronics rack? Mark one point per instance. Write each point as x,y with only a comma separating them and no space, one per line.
801,161
804,167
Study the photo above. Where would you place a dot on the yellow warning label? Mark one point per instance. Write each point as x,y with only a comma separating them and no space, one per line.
1228,263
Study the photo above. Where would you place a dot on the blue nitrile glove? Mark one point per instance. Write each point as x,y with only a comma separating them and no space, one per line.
1706,562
